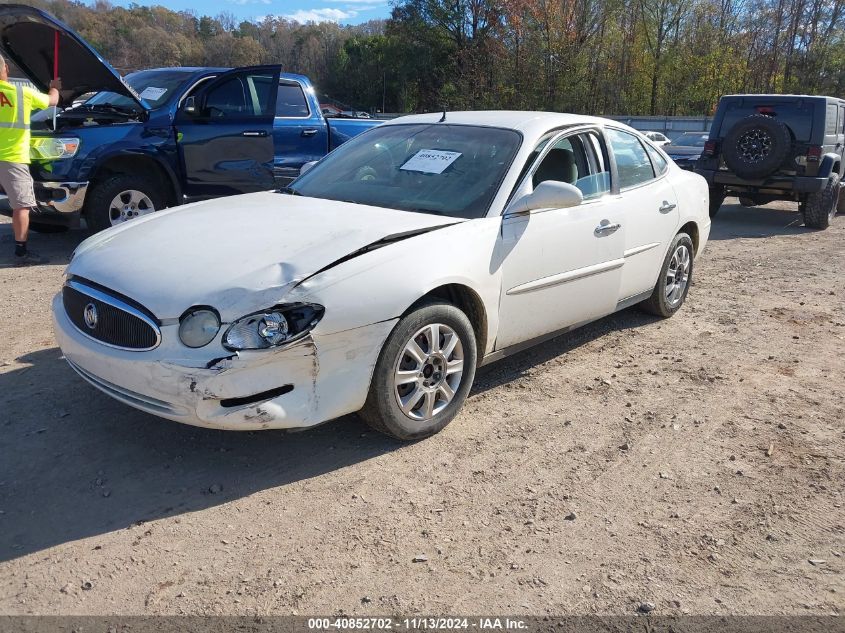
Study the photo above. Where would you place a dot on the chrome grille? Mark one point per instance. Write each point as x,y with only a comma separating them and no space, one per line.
108,319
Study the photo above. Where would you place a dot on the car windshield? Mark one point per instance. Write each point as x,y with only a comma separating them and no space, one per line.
690,139
154,86
438,168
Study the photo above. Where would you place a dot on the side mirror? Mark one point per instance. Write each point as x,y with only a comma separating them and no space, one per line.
549,194
189,106
307,166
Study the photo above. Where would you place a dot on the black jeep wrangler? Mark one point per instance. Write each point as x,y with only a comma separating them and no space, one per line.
778,147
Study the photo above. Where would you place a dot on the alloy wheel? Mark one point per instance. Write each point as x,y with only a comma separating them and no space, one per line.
128,205
428,371
754,145
677,275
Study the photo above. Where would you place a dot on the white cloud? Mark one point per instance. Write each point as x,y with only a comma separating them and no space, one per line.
245,2
320,15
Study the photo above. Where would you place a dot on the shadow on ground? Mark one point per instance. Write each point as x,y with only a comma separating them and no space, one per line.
735,221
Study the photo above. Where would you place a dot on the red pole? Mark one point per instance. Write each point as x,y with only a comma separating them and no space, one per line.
56,55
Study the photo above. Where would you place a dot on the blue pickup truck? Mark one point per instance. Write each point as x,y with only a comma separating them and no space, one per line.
161,137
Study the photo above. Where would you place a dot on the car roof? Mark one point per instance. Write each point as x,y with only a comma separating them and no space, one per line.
529,123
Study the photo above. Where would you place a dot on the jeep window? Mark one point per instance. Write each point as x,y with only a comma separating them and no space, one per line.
798,114
831,127
291,102
632,162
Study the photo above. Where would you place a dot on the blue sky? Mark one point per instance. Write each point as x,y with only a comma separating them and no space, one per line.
342,11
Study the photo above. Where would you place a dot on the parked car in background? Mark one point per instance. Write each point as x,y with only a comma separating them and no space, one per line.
686,148
778,147
160,137
658,138
383,276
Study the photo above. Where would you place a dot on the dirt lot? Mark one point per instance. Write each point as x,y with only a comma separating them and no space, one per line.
695,463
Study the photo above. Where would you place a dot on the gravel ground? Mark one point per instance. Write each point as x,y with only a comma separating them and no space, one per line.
694,463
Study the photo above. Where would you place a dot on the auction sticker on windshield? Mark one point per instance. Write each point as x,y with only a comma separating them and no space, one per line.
152,93
430,161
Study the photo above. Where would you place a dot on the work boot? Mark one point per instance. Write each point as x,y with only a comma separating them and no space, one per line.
30,258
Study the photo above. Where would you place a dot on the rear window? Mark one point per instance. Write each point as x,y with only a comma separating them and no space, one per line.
796,113
831,126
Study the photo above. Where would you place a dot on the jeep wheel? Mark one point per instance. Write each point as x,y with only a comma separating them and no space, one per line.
717,197
756,146
121,198
747,202
820,207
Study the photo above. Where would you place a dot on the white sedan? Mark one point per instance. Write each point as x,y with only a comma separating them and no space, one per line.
383,276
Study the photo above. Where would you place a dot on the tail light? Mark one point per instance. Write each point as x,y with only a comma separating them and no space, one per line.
709,148
814,152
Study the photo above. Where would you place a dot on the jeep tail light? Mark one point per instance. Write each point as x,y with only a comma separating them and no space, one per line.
769,110
709,148
814,152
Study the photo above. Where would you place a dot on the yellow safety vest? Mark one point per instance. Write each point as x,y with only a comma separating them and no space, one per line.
16,103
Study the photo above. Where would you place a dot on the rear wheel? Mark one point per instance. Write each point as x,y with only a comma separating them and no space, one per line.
672,286
121,198
820,207
756,146
423,374
747,202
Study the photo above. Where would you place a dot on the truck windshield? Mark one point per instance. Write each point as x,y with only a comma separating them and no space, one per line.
156,87
437,168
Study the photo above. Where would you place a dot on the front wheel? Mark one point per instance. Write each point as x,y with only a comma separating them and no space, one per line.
121,198
423,374
672,286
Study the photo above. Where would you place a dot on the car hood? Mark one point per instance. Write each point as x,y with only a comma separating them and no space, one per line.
239,254
682,150
28,38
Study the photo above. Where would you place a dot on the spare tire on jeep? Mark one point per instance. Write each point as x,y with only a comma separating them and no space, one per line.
756,146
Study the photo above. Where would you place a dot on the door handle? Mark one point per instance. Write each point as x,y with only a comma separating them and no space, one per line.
254,133
666,207
606,228
309,131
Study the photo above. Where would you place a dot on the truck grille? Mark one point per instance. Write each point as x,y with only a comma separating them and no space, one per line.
108,319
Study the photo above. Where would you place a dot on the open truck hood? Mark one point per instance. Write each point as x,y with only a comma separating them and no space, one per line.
27,38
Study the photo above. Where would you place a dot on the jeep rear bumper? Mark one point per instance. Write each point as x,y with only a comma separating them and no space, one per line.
773,184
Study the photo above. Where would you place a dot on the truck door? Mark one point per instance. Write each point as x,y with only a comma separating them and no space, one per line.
300,133
225,134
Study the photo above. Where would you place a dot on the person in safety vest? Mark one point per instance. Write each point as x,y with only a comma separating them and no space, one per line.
16,103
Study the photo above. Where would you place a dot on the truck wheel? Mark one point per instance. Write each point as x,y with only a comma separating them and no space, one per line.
121,198
717,197
672,286
820,207
756,146
423,374
41,227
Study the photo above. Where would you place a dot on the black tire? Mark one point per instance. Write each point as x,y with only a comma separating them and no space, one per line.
756,146
41,227
717,197
658,303
747,202
819,207
381,410
97,212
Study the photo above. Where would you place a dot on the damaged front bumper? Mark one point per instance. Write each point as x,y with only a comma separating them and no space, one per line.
312,381
58,202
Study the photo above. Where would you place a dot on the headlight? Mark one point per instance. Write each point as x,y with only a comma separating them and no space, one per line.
49,148
198,327
270,328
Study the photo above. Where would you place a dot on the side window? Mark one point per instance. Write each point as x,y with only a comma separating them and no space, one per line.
574,160
658,162
632,161
842,119
245,95
291,102
831,127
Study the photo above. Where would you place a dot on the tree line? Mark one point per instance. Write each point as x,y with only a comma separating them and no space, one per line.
659,57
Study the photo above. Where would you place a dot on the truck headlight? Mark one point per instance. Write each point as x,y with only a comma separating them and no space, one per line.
274,327
198,327
50,148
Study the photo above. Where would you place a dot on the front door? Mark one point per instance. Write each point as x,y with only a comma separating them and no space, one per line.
225,134
562,267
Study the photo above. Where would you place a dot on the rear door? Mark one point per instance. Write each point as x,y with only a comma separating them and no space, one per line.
300,134
225,134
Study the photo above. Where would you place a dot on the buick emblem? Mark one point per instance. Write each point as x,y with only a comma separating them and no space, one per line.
90,315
